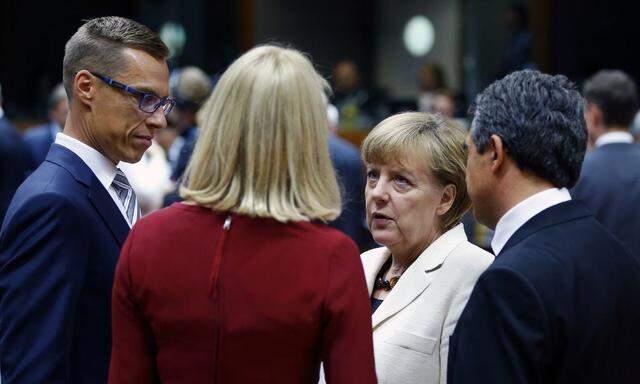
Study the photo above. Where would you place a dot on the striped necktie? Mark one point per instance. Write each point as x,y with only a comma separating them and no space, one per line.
126,195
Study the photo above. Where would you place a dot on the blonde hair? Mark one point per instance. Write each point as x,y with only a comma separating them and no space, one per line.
262,149
431,139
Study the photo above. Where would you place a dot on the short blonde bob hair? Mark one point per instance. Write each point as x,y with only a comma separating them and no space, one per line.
437,142
262,149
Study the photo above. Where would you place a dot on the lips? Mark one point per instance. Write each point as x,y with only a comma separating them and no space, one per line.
379,220
144,139
377,215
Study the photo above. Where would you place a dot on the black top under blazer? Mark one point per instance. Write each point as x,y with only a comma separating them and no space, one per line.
561,304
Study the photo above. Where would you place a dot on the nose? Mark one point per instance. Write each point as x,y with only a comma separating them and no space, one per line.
157,119
379,192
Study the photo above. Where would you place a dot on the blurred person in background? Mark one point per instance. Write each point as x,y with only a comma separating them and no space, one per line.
243,282
431,82
15,161
150,178
560,302
191,87
40,138
359,108
349,168
609,182
517,52
65,226
421,278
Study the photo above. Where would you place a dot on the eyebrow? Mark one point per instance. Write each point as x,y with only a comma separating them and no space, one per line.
147,90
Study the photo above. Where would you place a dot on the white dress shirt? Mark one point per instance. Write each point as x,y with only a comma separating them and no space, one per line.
104,170
614,137
522,212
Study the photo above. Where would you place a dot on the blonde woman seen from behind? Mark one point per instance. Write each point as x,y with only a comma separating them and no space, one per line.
244,282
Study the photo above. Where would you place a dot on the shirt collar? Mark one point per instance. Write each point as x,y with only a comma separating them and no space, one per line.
1,113
614,137
104,169
517,216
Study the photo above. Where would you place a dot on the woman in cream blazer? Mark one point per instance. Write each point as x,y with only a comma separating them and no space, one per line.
421,278
411,327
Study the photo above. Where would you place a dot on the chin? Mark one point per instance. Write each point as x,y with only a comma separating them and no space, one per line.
132,158
383,239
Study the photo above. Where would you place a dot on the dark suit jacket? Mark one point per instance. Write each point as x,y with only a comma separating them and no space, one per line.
58,250
15,163
609,185
351,176
559,305
38,140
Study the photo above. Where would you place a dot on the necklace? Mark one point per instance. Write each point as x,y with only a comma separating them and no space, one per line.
383,284
386,285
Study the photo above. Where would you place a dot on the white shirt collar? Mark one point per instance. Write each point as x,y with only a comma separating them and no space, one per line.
1,113
104,169
522,212
614,137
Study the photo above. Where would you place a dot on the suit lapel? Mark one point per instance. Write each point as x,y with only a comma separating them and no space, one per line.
98,195
417,278
560,213
108,210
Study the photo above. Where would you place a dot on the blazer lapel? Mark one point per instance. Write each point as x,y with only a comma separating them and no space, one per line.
372,261
99,197
417,278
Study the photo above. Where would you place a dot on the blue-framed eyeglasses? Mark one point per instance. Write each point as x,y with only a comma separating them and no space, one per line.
147,102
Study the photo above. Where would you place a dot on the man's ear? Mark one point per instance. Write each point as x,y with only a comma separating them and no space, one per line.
595,116
84,87
498,153
447,199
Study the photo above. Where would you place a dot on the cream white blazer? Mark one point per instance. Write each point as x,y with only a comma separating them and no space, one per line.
411,327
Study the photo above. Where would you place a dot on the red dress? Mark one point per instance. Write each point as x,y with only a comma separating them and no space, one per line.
256,302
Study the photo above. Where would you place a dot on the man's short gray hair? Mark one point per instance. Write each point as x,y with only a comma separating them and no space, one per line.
98,45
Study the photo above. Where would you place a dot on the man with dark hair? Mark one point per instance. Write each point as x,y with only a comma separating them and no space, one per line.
560,302
63,231
15,161
40,138
609,183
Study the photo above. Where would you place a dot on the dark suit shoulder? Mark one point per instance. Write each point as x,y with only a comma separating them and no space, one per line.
29,213
49,177
343,153
607,157
36,133
560,244
570,259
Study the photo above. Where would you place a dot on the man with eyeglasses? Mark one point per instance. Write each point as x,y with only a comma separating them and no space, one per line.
63,231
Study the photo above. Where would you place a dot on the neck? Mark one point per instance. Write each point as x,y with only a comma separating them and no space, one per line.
402,257
517,191
78,128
